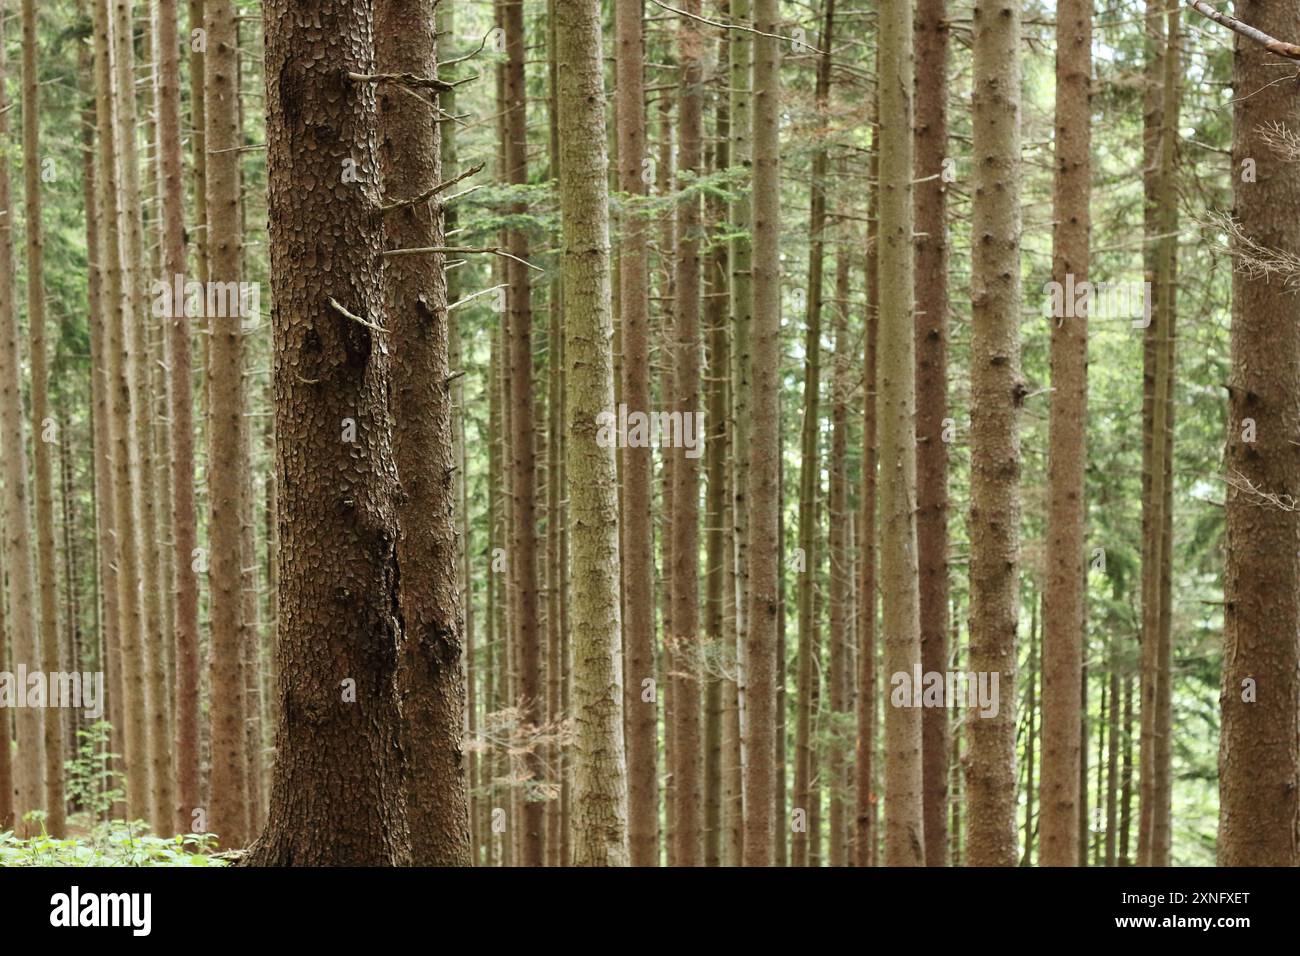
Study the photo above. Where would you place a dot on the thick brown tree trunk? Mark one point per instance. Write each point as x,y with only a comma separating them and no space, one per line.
432,688
338,796
1259,766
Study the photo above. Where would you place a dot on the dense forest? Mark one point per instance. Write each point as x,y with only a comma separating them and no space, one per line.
577,433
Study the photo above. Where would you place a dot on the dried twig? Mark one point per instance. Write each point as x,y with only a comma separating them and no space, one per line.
1289,50
355,318
431,191
457,250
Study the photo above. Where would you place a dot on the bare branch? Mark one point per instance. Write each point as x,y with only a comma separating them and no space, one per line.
355,318
1289,50
456,250
431,191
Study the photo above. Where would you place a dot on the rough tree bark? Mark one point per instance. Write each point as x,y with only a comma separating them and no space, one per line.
763,457
1259,766
600,781
997,393
1063,615
896,405
338,796
432,687
931,230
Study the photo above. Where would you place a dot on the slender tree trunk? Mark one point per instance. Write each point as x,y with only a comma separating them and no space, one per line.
341,633
181,415
1259,767
130,626
105,579
227,487
997,392
1126,776
841,560
43,430
600,784
931,230
638,463
1157,791
684,636
523,470
896,403
432,688
810,472
31,764
763,491
1063,595
740,261
867,704
1032,734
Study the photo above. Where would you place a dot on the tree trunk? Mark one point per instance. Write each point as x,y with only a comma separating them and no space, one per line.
432,688
896,404
523,466
181,417
26,647
997,392
227,486
600,784
763,491
685,580
341,628
1063,595
638,462
931,230
805,769
42,425
867,683
1259,767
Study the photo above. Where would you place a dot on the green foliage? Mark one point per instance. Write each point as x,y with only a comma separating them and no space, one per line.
111,844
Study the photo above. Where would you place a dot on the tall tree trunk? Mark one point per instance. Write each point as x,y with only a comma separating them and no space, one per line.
763,457
685,580
42,425
600,784
1154,836
740,261
181,416
1259,767
638,462
105,578
1067,439
997,393
931,230
523,466
125,524
26,647
867,683
227,486
841,559
432,688
136,336
896,402
341,632
805,797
